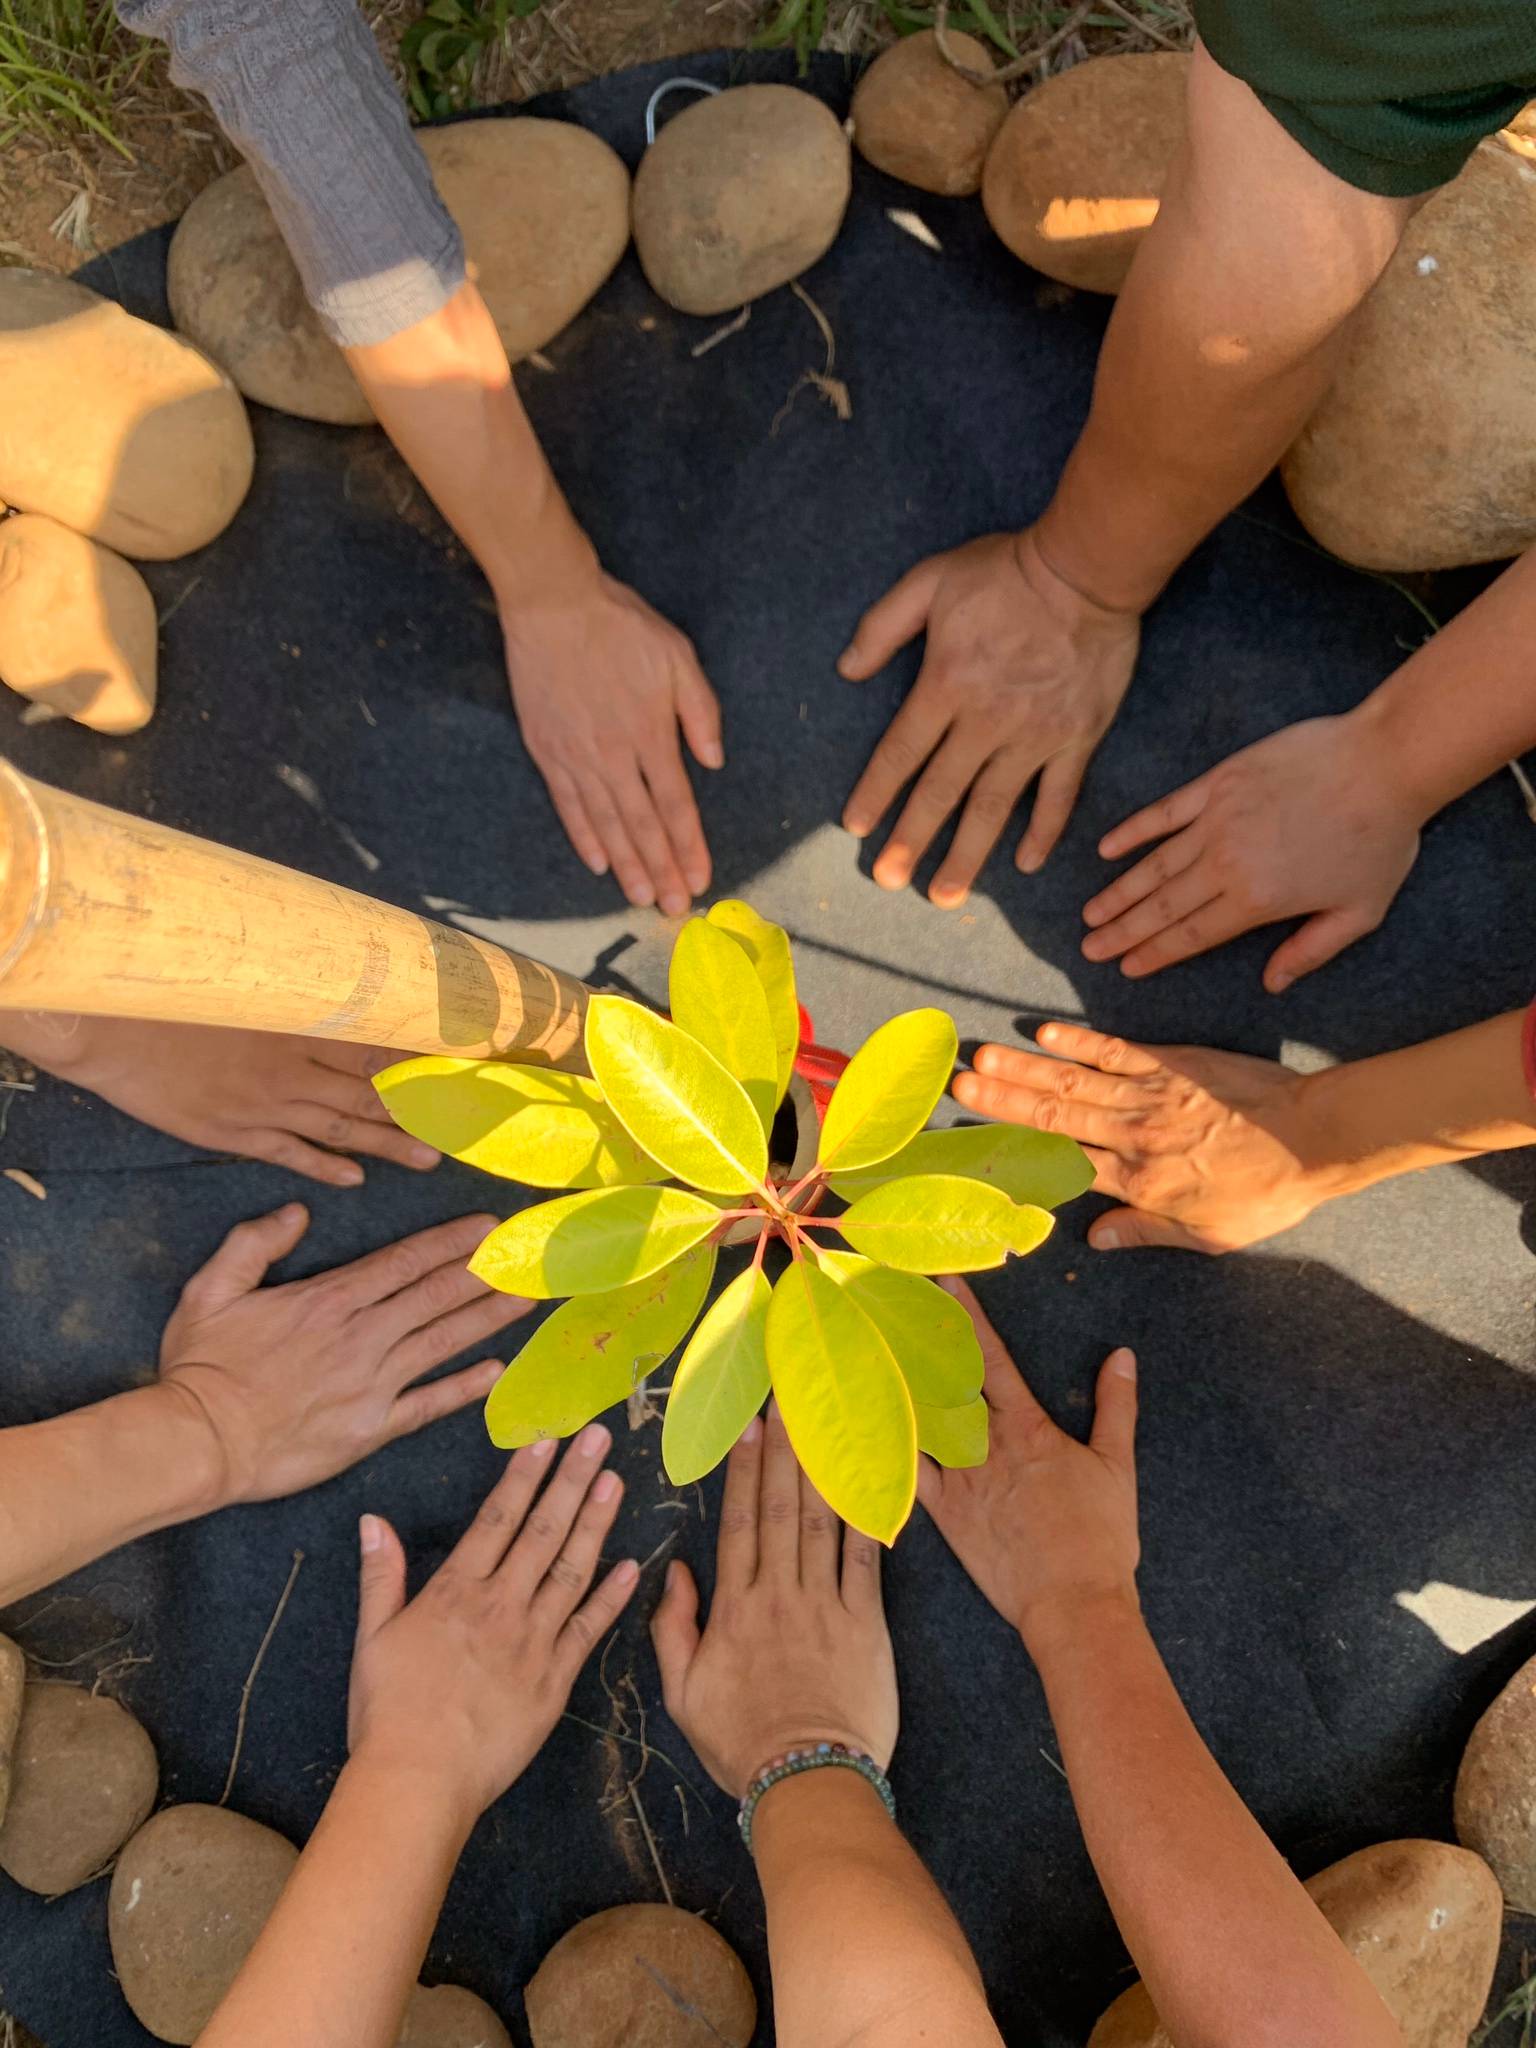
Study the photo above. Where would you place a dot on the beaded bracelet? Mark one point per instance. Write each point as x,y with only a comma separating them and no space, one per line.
794,1761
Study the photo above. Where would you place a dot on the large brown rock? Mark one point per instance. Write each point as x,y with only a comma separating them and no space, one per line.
113,426
1496,1790
189,1896
1423,1921
916,117
13,1681
544,210
641,1977
77,626
1423,453
448,2016
738,194
1074,178
83,1776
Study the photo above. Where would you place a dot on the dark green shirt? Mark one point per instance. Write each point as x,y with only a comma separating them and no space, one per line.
1391,95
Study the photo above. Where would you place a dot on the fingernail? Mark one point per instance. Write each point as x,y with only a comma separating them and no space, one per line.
291,1211
350,1174
669,1575
1106,1240
712,754
642,895
1123,1364
947,898
541,1447
856,826
607,1486
593,1441
753,1430
625,1572
698,880
1048,1034
424,1156
1031,863
674,905
598,863
370,1533
1279,983
1093,947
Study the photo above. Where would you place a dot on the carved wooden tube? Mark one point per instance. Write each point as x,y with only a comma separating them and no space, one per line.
114,916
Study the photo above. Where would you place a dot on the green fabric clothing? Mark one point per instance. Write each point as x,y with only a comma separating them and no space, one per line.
1392,96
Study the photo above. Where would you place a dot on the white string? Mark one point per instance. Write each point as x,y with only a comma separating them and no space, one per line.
669,85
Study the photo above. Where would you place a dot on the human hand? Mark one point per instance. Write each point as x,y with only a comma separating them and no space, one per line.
1021,675
1210,1151
795,1651
465,1683
299,1381
601,684
259,1094
1047,1526
1305,823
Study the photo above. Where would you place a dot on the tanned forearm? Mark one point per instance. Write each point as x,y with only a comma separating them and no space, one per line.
1232,1950
863,1946
444,394
336,1962
73,1488
1223,341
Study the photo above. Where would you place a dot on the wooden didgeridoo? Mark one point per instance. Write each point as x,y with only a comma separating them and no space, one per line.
113,916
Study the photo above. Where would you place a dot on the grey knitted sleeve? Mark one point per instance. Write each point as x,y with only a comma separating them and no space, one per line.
299,86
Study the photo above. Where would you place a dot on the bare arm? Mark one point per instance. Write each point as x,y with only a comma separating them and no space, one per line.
1210,1151
1234,1952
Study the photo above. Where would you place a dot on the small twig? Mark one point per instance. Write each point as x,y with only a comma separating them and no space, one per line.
1021,66
702,348
650,1840
1527,790
250,1677
664,1545
1141,25
178,601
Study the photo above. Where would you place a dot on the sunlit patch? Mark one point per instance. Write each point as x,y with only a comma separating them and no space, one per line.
1224,351
1085,220
1458,1617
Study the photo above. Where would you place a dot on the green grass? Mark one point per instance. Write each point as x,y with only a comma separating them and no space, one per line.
1519,2006
63,70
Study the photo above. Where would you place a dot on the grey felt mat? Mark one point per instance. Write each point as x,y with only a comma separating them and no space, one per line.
1332,1424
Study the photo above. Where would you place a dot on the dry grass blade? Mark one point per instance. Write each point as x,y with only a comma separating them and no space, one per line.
251,1675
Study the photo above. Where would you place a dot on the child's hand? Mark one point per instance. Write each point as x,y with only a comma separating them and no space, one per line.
465,1683
796,1650
1047,1526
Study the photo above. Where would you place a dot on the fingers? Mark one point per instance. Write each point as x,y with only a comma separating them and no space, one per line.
394,1267
1212,924
1060,780
663,882
1113,1434
570,1575
675,1631
1156,914
344,1130
1168,814
669,785
736,1556
1131,1229
1320,939
778,1506
1044,1074
456,1390
547,1523
282,1148
500,1515
698,713
1095,1049
592,1621
891,622
909,739
1002,1383
571,809
987,811
1043,1107
861,1567
241,1261
939,792
381,1584
819,1548
1160,866
465,1330
446,1288
618,849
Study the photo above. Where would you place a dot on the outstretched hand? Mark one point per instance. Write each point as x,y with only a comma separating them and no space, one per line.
299,1381
464,1683
1047,1526
796,1650
602,685
1021,676
1306,823
1209,1151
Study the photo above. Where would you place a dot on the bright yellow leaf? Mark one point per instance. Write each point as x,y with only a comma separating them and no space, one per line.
1041,1167
931,1337
717,998
767,947
941,1223
844,1402
593,1352
675,1099
721,1380
531,1124
888,1090
589,1243
954,1437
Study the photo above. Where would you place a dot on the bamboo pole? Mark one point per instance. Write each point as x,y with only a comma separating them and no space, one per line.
114,916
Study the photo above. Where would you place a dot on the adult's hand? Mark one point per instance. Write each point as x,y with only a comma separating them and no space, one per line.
463,1685
1047,1526
1306,823
602,685
796,1650
259,1094
1209,1151
1021,676
299,1381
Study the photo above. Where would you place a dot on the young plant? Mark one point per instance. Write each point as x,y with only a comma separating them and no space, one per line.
668,1147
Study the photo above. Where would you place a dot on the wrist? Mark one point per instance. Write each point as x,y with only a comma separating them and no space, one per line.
1342,1149
438,1803
1071,550
1405,750
546,563
1078,1617
170,1430
1039,557
816,1812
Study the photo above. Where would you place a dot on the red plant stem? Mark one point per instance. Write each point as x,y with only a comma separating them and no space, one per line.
761,1247
805,1180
